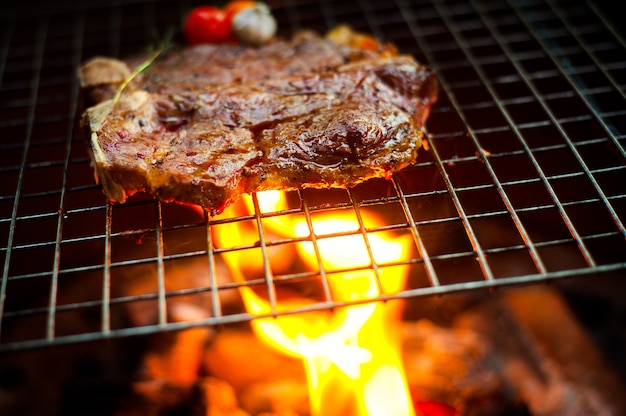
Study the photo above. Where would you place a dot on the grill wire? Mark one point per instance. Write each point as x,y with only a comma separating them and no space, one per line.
523,181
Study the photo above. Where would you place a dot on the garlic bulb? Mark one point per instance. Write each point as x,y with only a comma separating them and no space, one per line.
254,25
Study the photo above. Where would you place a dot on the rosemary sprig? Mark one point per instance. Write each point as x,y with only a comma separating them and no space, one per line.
165,44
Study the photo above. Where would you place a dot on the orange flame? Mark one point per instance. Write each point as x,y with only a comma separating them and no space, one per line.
351,353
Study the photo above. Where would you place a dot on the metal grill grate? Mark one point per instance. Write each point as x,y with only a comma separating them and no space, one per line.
523,182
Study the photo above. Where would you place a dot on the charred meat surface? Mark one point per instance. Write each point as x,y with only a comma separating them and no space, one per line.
205,124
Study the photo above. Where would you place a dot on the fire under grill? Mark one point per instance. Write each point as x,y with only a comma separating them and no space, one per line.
522,182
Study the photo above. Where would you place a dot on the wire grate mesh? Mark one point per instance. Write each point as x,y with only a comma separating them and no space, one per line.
523,181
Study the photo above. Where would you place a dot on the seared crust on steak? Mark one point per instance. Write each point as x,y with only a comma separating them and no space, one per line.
208,123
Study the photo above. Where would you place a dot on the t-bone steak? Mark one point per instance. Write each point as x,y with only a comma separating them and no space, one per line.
205,124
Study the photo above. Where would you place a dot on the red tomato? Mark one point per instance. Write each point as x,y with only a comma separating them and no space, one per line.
207,24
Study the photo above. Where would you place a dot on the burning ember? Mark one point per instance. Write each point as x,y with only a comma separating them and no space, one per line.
352,353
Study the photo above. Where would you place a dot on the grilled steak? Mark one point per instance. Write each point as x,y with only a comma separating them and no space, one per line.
205,124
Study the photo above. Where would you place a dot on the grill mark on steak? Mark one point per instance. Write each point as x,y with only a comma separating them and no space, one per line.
206,124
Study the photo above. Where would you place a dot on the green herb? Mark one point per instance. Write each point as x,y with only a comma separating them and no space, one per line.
165,44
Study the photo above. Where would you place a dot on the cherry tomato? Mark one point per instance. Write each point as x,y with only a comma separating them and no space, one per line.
207,24
235,6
